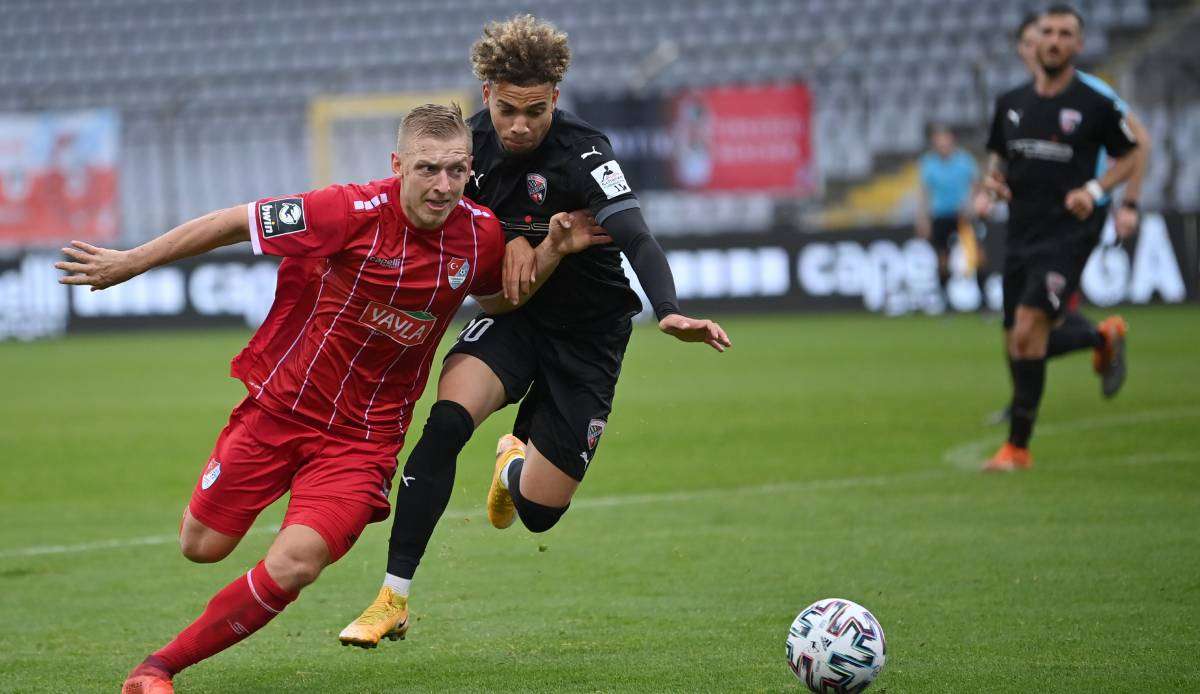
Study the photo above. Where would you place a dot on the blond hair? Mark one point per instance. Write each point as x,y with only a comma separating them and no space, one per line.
522,51
433,120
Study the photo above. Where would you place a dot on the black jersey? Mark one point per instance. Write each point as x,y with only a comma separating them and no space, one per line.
572,169
1051,145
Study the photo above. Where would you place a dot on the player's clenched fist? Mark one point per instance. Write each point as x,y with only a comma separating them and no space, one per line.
1080,203
99,267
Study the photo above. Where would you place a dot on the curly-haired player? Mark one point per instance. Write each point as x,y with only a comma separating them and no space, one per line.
560,354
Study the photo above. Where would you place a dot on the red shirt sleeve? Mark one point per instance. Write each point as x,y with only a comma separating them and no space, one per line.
309,225
488,277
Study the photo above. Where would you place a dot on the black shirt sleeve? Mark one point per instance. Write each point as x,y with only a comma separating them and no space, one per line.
1115,133
996,142
628,229
599,179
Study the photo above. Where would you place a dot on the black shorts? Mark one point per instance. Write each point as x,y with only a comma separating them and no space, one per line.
942,229
565,382
1046,275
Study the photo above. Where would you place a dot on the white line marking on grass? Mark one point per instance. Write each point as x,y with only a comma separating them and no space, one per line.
972,454
967,456
592,502
147,541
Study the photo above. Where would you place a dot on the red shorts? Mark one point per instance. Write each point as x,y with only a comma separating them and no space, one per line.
338,485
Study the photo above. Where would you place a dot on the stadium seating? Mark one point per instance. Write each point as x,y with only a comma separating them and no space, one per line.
214,93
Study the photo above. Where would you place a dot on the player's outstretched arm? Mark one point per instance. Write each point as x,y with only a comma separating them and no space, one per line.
628,228
570,232
104,267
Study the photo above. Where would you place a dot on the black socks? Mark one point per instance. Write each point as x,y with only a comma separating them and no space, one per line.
425,485
536,517
1075,333
1029,380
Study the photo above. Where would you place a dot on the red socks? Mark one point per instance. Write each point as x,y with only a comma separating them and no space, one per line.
238,610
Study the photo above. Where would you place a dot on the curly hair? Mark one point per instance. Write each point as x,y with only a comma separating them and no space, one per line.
522,51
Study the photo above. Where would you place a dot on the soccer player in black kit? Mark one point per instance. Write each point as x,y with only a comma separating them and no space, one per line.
560,354
1044,143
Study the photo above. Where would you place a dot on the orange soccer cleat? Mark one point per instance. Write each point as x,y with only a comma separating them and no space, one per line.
147,679
1108,360
1009,458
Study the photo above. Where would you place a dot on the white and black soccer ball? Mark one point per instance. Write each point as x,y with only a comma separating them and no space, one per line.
836,646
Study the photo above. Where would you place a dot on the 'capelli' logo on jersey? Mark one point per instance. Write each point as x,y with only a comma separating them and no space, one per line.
409,328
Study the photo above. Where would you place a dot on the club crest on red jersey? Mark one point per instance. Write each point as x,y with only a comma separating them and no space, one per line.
537,187
409,328
456,270
1069,119
211,472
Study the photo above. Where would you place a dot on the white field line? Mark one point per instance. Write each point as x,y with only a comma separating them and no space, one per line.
585,503
972,454
966,456
149,540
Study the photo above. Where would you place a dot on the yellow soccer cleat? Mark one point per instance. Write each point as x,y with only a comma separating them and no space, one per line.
387,617
500,509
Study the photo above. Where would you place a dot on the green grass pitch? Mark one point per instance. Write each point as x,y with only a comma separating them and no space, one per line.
823,456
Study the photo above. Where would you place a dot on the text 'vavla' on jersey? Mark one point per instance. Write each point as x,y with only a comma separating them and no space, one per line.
361,302
573,168
1051,145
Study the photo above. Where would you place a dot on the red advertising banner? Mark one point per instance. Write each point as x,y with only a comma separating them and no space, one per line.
744,138
58,177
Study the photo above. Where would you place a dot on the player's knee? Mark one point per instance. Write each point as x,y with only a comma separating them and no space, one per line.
1026,345
293,570
536,517
450,424
203,550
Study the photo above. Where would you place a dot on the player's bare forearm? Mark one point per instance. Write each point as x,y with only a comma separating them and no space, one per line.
1133,186
546,260
1120,170
570,232
201,235
104,267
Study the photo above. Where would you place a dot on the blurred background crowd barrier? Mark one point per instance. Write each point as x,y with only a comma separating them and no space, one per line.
774,143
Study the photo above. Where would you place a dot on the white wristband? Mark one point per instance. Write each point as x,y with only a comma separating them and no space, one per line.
1094,189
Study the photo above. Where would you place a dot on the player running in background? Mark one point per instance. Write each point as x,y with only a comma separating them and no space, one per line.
948,173
561,354
371,278
1045,141
1075,331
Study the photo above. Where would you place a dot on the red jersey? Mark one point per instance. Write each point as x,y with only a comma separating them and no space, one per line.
362,300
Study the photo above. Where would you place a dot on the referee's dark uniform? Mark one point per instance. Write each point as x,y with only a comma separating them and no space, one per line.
1051,146
561,352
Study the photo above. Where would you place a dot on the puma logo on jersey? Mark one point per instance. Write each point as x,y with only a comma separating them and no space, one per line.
1014,116
585,155
409,328
477,178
